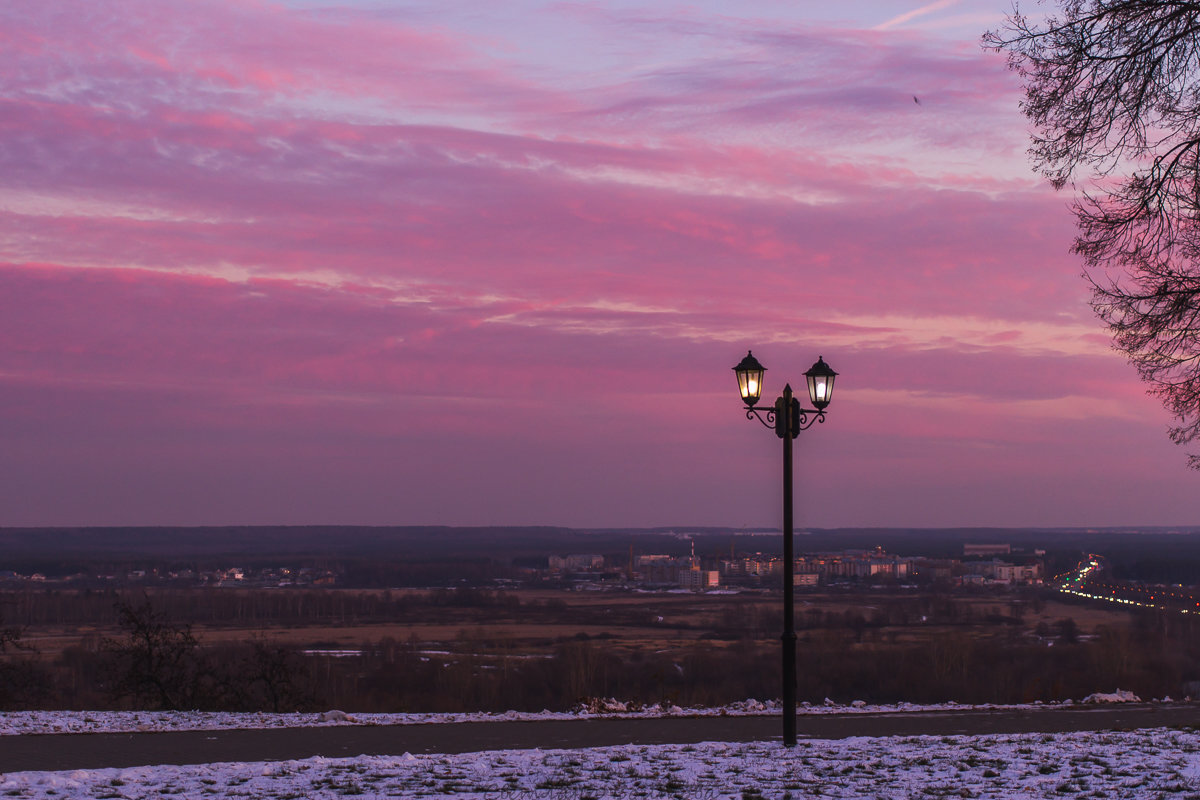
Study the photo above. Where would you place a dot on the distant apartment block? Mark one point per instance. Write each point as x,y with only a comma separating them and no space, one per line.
856,566
699,579
996,571
986,550
934,570
750,568
577,562
660,570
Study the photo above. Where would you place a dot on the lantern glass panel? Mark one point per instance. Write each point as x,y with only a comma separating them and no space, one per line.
820,384
749,376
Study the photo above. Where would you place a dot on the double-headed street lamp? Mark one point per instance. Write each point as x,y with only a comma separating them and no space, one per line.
787,419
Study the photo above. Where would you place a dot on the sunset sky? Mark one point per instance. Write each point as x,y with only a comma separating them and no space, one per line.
473,263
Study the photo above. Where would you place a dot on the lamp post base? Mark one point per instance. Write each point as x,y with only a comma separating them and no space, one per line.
789,688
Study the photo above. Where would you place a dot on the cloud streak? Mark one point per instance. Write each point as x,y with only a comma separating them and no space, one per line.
909,16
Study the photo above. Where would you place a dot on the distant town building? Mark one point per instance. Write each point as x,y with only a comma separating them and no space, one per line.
997,571
657,569
854,565
699,579
751,566
933,570
986,549
577,562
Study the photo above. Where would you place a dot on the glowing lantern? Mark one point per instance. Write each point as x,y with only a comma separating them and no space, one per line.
749,378
820,384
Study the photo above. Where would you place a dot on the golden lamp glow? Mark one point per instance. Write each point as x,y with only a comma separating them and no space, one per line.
749,377
820,384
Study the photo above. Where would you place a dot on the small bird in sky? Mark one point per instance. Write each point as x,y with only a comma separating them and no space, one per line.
916,100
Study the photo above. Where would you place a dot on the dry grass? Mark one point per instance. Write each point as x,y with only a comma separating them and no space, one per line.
640,621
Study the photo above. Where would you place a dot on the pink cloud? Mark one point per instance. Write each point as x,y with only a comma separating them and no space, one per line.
187,52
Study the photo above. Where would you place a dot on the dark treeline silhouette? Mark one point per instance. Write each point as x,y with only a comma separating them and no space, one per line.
292,607
834,662
159,664
751,615
152,657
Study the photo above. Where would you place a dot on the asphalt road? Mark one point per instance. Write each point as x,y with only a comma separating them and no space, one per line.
96,750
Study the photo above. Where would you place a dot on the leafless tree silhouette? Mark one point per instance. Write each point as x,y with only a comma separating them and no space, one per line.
1112,88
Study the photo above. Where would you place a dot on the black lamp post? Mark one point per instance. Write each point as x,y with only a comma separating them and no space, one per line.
787,419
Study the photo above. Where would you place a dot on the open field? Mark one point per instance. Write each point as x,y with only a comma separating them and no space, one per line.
534,622
470,649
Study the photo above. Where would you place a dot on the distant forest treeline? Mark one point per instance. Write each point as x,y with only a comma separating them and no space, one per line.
150,658
260,607
431,556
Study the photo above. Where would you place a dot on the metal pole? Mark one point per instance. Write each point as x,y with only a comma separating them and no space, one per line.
789,623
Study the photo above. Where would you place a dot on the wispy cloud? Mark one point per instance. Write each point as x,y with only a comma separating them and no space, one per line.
909,16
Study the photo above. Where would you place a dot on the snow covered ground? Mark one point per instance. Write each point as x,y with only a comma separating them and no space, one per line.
15,723
1153,763
1145,764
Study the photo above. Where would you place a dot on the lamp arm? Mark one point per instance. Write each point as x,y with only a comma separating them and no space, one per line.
808,417
807,421
767,417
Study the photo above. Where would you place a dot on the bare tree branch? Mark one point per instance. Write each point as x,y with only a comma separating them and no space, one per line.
1112,88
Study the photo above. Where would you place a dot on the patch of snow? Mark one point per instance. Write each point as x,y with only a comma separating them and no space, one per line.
18,723
1119,696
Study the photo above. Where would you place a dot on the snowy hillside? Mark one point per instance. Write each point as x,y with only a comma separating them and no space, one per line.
1145,764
